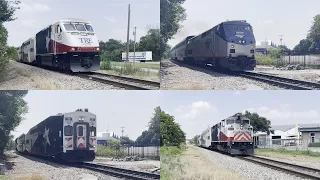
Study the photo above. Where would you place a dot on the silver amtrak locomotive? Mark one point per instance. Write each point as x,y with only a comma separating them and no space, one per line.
229,45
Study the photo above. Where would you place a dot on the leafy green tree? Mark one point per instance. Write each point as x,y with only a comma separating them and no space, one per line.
7,10
171,15
12,107
150,42
194,140
151,137
12,53
258,123
171,133
303,47
113,144
126,141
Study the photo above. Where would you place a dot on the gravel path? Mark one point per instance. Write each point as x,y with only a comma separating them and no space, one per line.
25,77
246,169
27,167
180,76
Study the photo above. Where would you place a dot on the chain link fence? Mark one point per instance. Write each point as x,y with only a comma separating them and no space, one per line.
307,61
149,152
288,144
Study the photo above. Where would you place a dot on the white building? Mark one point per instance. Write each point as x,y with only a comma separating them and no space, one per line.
264,46
104,137
283,135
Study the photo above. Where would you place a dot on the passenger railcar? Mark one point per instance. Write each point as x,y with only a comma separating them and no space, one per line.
69,44
70,137
229,45
233,135
20,143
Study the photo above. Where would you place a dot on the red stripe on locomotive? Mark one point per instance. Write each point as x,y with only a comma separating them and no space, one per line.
61,48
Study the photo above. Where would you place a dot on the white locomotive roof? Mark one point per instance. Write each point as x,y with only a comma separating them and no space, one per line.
29,40
73,20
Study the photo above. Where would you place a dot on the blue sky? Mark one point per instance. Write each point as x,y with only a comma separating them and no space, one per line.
108,17
196,110
291,18
114,109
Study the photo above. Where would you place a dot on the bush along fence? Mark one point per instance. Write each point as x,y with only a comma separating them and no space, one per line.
144,152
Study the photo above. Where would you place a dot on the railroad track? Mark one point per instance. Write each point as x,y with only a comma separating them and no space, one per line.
120,81
298,170
119,172
281,81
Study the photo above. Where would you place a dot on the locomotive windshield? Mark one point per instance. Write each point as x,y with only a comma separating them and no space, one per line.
78,27
238,33
230,122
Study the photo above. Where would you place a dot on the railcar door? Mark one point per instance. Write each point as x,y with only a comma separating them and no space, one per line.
81,134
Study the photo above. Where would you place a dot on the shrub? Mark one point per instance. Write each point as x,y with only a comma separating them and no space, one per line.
314,145
264,60
109,152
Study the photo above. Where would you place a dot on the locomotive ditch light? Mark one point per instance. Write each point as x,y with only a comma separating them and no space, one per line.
72,49
232,46
98,49
79,48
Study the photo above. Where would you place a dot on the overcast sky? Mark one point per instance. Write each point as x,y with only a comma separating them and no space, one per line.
131,109
108,18
269,19
196,110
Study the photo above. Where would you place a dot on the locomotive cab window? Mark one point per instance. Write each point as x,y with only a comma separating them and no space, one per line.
89,27
80,131
80,27
245,122
222,123
68,130
230,122
93,131
69,27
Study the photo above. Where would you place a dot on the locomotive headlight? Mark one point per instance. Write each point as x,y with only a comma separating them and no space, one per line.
252,46
72,49
232,46
98,49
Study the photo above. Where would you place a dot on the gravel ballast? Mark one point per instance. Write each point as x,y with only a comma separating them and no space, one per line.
26,167
26,77
175,75
246,169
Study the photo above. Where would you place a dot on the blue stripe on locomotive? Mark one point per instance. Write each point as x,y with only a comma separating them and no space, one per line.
229,36
42,44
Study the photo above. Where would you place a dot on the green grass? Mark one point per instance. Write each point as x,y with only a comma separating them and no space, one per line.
170,161
108,152
138,65
289,152
130,70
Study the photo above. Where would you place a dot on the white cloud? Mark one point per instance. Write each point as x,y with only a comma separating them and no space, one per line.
34,7
110,19
268,22
237,93
282,114
28,22
193,110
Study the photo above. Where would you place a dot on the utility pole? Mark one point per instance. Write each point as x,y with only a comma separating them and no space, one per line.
128,34
122,130
281,39
134,45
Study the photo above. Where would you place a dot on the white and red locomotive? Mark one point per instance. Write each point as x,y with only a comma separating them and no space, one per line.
69,137
69,44
233,135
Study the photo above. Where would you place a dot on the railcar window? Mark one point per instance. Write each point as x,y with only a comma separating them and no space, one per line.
31,49
80,131
93,131
89,28
27,142
69,27
68,131
230,121
80,27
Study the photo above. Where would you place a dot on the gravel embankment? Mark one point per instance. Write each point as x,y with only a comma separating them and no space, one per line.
294,161
26,167
246,169
26,77
145,165
312,75
180,76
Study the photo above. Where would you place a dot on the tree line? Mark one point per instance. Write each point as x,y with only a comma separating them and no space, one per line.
112,49
7,10
311,44
12,107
